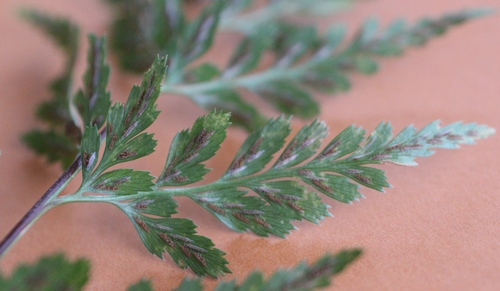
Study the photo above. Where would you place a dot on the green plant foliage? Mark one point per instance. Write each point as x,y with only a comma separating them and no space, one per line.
124,138
305,60
302,277
273,180
49,273
190,148
55,272
143,285
239,15
93,101
285,190
59,142
54,145
141,30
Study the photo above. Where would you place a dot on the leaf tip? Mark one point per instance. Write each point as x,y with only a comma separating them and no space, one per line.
479,12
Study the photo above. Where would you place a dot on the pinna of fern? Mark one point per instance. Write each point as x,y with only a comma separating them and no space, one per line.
286,189
305,61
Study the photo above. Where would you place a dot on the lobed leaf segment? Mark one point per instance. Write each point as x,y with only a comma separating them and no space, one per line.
286,188
55,272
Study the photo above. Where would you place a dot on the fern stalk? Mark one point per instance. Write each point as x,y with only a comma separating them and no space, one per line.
47,201
43,204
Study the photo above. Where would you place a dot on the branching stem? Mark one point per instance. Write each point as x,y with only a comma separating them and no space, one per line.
40,207
188,192
46,202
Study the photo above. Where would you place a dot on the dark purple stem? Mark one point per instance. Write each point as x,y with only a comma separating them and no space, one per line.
42,204
39,208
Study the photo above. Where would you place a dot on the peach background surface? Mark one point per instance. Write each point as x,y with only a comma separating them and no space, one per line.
436,229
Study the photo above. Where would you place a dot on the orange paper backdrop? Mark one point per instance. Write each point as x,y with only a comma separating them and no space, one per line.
437,229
